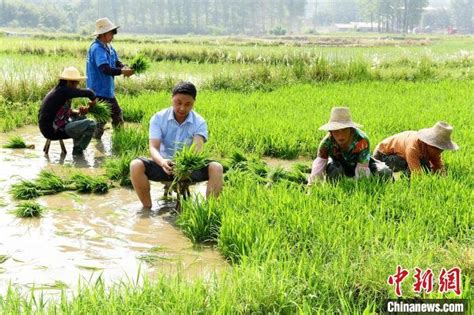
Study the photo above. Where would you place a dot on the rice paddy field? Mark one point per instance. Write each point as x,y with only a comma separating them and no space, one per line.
285,247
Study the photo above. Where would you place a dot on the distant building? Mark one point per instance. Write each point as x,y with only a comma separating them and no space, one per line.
356,26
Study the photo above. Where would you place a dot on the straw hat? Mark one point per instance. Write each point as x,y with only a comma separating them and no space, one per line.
438,136
71,74
103,26
340,119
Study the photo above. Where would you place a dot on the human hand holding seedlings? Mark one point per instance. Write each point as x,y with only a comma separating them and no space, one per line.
91,103
167,166
83,110
127,72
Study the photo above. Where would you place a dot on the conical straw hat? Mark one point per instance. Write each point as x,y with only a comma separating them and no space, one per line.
103,26
71,74
340,119
438,136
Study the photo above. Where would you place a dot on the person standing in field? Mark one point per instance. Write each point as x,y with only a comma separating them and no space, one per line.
411,151
102,65
171,129
345,151
56,118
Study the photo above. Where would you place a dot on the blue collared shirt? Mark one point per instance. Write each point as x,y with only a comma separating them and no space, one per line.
164,127
101,83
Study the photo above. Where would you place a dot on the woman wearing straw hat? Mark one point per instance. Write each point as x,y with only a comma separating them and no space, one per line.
56,118
345,151
102,66
412,151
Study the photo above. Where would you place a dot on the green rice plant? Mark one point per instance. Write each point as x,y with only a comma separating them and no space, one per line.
26,190
3,258
49,182
118,168
259,168
130,139
140,63
200,220
298,177
302,167
187,160
29,209
101,112
15,142
278,174
87,184
237,160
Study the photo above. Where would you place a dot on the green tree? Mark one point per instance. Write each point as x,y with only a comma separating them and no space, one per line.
368,10
461,11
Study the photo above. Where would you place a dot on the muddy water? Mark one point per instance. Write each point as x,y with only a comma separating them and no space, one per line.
84,236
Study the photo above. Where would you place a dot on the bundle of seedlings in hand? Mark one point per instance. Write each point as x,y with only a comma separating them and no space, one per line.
101,112
86,184
140,64
29,209
186,161
17,142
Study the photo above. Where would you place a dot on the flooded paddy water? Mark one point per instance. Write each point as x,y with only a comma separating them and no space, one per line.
86,236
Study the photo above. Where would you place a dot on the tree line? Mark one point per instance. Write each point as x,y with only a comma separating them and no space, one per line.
219,17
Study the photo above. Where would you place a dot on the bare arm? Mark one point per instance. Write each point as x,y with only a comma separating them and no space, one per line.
166,164
198,142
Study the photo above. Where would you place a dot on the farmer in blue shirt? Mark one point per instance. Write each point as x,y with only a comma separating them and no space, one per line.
171,129
102,65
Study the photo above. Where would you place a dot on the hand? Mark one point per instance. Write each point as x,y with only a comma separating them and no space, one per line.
83,110
127,71
167,166
92,103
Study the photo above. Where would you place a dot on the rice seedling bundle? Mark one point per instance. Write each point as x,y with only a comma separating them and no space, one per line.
15,142
29,209
50,182
186,161
101,112
118,169
140,64
87,184
25,190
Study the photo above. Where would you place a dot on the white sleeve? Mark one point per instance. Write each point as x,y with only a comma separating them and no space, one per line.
362,170
317,169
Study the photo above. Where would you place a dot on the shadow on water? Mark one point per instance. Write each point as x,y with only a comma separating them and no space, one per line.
87,236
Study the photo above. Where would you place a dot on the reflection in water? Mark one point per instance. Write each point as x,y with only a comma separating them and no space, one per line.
86,235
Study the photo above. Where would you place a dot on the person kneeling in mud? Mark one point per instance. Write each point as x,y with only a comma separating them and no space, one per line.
170,129
345,151
414,151
57,120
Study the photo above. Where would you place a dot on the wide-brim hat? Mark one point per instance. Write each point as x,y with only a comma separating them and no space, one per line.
438,136
104,25
340,118
71,74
